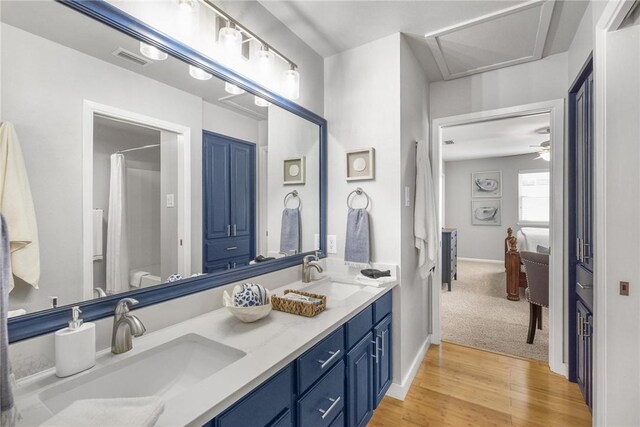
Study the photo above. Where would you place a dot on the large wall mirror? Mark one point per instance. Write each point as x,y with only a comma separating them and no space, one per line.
145,174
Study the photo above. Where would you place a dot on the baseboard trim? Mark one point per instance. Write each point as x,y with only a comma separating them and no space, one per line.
492,261
399,391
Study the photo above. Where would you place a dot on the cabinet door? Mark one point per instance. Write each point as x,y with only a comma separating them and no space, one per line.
382,367
360,391
582,363
588,351
242,189
215,187
584,171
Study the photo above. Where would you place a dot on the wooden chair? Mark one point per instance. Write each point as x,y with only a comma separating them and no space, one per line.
537,271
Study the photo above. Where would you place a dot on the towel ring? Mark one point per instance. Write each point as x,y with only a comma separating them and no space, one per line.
359,192
292,194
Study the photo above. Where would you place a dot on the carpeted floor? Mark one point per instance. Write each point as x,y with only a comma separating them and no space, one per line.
477,313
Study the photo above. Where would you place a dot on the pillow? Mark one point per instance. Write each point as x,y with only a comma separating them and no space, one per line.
543,250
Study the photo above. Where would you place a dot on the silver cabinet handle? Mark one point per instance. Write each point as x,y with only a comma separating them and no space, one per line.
578,246
325,412
586,332
584,245
375,349
581,286
232,248
382,347
235,230
234,265
580,325
228,229
324,363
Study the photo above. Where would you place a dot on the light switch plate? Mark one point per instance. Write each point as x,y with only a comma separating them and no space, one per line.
624,288
332,244
171,201
407,196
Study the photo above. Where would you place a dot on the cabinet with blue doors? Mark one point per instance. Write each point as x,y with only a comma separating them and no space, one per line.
337,383
228,185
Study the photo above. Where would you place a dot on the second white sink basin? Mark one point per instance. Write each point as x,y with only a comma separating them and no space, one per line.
334,291
166,371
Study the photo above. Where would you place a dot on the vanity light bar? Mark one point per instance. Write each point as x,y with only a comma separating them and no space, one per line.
243,29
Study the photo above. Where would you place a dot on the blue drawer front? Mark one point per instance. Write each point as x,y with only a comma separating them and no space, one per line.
357,327
263,406
339,421
382,307
325,399
319,360
227,248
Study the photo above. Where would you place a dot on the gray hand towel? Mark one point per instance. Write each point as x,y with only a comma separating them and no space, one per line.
357,245
290,231
7,407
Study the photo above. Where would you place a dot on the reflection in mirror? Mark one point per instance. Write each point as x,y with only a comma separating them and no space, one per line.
141,171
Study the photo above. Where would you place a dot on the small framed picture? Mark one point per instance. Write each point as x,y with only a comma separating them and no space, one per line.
486,184
361,164
294,171
486,212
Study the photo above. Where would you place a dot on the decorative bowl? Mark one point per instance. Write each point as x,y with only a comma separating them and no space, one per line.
246,314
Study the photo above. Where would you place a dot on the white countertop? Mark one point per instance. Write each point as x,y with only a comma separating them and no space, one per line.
270,344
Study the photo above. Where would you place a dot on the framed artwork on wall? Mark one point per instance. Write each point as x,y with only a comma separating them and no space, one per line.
486,212
294,171
486,184
361,164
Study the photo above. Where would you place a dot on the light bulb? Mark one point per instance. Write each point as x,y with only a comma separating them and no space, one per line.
152,52
231,42
265,66
199,73
260,102
187,5
292,84
233,89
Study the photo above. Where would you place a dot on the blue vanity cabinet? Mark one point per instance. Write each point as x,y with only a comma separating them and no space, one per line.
382,367
324,401
228,186
360,382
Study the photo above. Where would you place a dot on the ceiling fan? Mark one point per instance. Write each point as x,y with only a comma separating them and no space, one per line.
544,150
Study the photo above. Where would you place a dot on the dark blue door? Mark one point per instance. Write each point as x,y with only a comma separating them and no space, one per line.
382,369
360,392
228,202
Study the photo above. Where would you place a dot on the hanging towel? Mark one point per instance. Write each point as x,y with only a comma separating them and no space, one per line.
118,412
97,234
16,204
425,220
7,406
290,231
117,245
357,249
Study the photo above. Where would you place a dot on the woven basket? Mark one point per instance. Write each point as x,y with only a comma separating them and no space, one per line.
299,307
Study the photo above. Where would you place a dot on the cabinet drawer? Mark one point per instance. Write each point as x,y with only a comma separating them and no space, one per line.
382,307
227,248
315,362
324,401
264,405
357,327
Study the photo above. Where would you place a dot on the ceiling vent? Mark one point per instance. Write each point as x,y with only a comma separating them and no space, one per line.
131,57
508,37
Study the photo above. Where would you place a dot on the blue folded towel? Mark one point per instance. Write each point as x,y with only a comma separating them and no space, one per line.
290,231
357,249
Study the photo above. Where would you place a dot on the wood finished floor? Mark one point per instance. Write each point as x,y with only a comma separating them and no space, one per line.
463,386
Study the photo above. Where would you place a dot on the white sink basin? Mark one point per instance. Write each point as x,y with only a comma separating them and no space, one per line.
334,291
166,371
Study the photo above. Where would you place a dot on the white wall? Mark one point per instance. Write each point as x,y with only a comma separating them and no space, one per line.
483,241
542,80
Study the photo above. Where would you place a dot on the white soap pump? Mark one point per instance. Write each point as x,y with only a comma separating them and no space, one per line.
75,346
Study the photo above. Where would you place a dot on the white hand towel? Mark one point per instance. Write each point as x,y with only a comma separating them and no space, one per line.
425,226
374,282
97,234
130,412
18,312
16,205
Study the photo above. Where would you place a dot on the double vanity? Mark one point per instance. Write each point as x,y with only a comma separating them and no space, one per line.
284,370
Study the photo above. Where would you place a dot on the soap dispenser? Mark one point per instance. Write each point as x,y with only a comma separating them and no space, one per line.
75,346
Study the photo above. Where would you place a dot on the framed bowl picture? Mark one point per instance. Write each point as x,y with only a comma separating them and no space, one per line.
486,212
294,171
361,164
486,184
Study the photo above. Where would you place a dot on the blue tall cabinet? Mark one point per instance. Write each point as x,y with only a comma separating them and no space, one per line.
228,172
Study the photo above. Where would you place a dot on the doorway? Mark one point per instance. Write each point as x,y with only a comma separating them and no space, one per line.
555,113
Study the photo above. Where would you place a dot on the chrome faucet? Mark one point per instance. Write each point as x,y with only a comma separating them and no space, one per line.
308,262
125,326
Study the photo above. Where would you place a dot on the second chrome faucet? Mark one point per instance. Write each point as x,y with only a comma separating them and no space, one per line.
125,327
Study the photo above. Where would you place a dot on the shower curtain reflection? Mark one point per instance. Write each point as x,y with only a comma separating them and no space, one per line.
117,269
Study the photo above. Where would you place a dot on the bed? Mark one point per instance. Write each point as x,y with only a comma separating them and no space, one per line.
530,239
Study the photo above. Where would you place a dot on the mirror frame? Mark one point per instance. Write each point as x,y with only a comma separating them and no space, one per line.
47,321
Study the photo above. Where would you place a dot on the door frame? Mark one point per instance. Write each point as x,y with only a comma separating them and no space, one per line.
558,294
92,109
